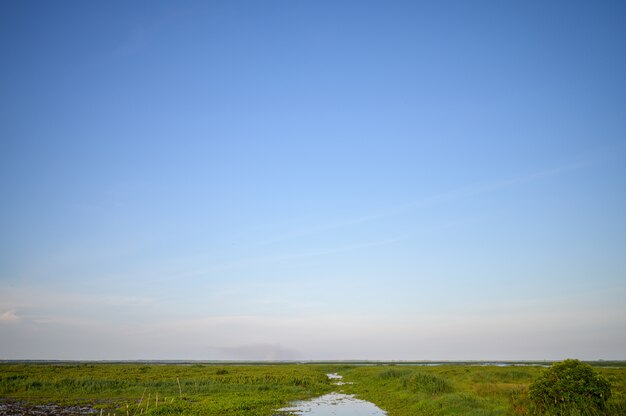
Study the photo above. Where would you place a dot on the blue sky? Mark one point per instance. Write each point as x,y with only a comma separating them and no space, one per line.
312,180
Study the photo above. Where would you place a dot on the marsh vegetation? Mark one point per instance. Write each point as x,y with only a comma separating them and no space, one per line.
208,389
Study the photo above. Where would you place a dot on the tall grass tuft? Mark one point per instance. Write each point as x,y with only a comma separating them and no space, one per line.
426,383
393,373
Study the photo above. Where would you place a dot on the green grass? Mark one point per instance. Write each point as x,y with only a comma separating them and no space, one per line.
154,389
461,389
136,389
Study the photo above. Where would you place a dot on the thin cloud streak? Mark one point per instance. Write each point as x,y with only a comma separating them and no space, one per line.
447,196
444,197
43,297
140,37
276,259
470,191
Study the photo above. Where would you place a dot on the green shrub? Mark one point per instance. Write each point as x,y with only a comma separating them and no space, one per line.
570,387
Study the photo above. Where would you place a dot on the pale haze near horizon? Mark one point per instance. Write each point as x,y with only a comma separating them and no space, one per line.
313,180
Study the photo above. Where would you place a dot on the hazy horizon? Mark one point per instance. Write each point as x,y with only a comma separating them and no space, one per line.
313,180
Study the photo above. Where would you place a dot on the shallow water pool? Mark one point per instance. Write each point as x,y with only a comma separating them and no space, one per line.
336,404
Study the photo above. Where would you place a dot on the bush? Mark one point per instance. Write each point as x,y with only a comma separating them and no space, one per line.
570,387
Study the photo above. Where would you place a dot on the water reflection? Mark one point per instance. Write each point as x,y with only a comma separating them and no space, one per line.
336,404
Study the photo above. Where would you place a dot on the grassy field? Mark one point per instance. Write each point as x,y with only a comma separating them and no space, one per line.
460,389
165,389
205,389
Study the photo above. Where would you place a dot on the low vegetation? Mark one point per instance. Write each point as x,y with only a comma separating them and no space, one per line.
127,389
468,390
198,389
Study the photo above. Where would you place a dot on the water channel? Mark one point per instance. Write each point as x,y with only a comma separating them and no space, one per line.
333,404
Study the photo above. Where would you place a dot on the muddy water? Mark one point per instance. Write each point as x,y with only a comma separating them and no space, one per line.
11,408
333,404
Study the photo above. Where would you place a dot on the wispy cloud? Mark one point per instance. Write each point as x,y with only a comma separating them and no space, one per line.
468,191
46,297
281,258
9,316
141,36
453,195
